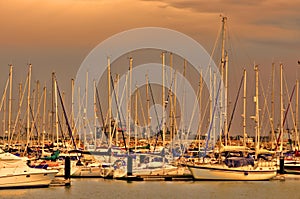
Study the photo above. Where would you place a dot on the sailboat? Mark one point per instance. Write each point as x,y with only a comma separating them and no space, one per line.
14,173
234,162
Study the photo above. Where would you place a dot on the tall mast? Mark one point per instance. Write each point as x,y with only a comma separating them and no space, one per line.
44,119
72,104
148,108
163,99
19,121
213,119
174,103
56,111
38,112
183,99
211,96
297,119
28,104
95,117
223,105
135,119
171,101
257,137
85,110
200,107
129,101
224,19
226,100
52,107
10,101
244,107
273,105
281,110
109,101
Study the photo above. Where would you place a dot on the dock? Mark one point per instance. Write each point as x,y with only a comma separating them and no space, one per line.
175,177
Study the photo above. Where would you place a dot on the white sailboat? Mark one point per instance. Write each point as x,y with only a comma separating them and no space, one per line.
237,166
14,173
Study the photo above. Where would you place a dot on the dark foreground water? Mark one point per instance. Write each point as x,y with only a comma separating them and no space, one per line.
100,188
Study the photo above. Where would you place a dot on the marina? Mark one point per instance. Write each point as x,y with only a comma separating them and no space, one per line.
123,144
164,111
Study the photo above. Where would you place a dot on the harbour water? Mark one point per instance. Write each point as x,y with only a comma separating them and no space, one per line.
100,188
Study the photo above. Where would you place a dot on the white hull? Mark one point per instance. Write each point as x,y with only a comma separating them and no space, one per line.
30,178
220,172
168,170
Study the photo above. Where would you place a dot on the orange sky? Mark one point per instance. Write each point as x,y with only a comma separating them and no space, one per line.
56,35
52,33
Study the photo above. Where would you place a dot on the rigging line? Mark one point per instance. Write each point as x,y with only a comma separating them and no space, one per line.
156,114
165,104
33,119
4,94
285,116
292,112
100,107
102,118
65,115
212,120
33,125
118,112
235,103
265,107
19,109
61,130
141,105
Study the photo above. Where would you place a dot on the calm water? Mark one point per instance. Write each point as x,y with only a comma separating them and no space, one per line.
100,188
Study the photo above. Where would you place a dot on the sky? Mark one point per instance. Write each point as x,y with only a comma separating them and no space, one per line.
56,35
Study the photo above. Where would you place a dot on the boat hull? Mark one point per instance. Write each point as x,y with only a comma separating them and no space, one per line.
219,172
292,168
41,178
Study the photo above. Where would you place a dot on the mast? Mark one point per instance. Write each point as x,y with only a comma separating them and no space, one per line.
200,107
72,104
174,103
210,101
44,120
109,101
95,117
225,101
213,118
171,101
135,119
148,108
85,110
19,121
163,99
129,101
273,105
281,110
257,137
9,101
297,112
28,105
56,111
244,107
38,112
223,105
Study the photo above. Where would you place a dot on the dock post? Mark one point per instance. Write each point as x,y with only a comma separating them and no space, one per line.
281,164
67,167
129,165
